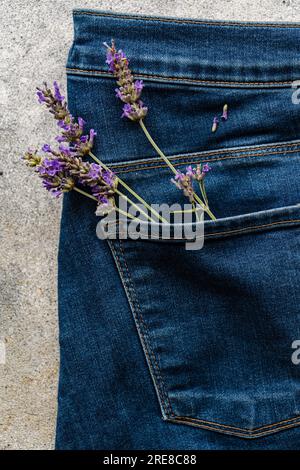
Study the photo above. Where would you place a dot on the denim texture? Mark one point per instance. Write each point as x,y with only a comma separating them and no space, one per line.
164,348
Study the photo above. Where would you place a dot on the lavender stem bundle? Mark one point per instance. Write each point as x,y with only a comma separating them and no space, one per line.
61,169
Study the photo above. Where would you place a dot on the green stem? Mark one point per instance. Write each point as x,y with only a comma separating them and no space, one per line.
139,198
186,211
115,208
133,204
85,194
127,214
156,147
197,215
165,158
203,191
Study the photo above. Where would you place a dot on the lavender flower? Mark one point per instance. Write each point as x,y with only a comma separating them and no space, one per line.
71,131
102,182
62,170
185,183
198,172
50,167
53,100
58,185
59,98
133,112
54,173
46,148
206,168
129,90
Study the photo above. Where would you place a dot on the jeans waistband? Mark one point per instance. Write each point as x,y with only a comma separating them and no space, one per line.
189,50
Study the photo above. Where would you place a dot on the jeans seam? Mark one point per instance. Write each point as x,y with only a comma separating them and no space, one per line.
250,431
232,430
222,428
152,361
185,20
225,232
263,148
184,79
191,160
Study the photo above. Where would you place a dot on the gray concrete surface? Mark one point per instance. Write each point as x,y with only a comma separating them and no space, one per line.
34,39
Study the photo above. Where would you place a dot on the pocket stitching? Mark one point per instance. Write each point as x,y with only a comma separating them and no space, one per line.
157,377
228,157
226,232
137,313
250,434
263,148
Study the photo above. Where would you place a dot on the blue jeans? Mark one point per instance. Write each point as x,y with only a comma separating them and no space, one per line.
164,348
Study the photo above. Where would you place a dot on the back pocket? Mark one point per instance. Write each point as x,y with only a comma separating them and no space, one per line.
218,325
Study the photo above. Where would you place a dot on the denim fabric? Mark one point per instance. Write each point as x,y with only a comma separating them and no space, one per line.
164,348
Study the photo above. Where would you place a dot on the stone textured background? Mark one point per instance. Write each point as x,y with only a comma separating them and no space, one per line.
34,41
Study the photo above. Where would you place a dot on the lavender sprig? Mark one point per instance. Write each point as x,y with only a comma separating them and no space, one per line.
129,92
71,132
61,171
184,182
55,177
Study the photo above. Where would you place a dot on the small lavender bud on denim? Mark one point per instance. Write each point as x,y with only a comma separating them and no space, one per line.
206,168
215,124
225,112
102,182
95,171
199,172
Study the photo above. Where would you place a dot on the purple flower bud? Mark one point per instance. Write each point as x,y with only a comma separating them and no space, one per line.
185,183
50,167
64,125
81,122
215,124
135,111
93,134
190,171
60,138
65,150
46,148
206,168
41,97
179,176
95,171
57,93
109,178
